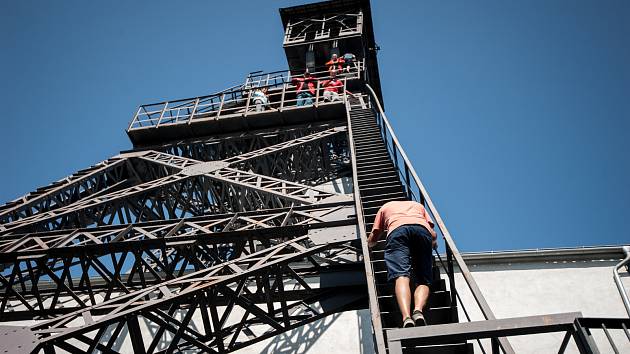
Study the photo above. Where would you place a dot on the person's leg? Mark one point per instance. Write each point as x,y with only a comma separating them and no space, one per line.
327,96
420,297
308,100
258,105
300,99
397,259
423,269
403,296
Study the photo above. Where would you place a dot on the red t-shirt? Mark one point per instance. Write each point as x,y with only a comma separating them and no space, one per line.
333,85
337,62
300,81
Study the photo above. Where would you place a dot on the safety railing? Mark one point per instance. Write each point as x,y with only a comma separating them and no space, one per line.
277,92
572,324
620,287
350,70
415,190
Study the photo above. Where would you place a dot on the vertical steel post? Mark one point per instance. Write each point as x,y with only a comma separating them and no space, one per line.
451,281
193,111
162,114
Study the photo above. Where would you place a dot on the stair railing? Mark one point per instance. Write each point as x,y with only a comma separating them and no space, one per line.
620,287
410,178
377,325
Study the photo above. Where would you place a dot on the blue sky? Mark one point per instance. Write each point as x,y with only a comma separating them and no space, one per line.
515,114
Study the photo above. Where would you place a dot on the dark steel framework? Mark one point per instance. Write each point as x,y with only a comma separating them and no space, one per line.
208,227
224,226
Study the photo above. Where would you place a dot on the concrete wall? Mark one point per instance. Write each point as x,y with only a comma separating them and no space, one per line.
543,287
347,332
523,288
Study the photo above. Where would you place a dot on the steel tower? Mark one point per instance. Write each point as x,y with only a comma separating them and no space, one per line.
225,224
229,223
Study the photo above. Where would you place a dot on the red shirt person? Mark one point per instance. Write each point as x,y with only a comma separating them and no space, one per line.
335,65
332,89
305,89
410,240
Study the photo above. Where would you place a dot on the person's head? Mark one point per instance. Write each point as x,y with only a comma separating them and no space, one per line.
334,57
307,73
333,75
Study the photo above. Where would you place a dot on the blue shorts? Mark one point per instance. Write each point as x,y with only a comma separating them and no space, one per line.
409,253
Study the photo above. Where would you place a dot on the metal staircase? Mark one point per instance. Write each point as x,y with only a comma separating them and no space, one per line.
378,183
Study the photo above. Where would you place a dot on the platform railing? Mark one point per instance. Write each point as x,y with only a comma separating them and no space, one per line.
620,287
352,70
572,324
415,190
281,94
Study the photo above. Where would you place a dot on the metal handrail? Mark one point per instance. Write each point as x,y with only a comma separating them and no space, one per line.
184,111
410,172
279,97
620,287
285,76
379,338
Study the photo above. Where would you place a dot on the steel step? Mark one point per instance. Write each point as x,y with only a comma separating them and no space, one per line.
457,348
385,199
433,316
436,299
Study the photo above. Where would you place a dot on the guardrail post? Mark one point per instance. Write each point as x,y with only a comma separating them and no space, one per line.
193,110
162,114
495,345
408,182
221,105
135,118
249,98
395,153
451,280
394,347
284,89
583,339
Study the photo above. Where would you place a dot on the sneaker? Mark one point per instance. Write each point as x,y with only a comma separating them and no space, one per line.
418,318
408,322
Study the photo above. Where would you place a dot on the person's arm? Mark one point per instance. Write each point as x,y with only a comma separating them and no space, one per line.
377,229
427,217
375,235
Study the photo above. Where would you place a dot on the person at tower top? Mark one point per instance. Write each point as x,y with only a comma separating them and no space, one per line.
332,88
305,88
260,99
350,60
410,240
335,65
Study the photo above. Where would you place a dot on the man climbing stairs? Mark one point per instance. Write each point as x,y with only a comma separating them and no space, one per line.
379,183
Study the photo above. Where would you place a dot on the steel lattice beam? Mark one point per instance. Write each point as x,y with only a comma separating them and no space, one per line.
191,230
85,266
172,305
221,147
188,196
106,177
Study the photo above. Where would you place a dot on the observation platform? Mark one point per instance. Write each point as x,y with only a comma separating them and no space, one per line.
235,109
